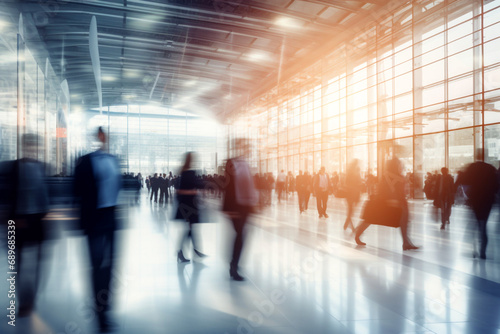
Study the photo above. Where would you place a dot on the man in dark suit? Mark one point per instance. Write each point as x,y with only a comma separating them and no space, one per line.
97,185
483,186
444,196
155,184
240,199
321,182
24,198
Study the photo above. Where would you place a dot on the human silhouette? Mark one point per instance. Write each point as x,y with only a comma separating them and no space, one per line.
321,184
280,184
26,199
444,195
155,185
392,193
240,199
354,185
97,185
481,179
188,206
300,184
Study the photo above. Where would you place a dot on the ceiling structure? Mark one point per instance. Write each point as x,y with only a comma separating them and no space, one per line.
187,54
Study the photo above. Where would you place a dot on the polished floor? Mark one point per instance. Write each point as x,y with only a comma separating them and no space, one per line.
304,275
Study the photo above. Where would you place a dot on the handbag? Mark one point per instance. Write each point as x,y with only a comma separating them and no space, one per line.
384,212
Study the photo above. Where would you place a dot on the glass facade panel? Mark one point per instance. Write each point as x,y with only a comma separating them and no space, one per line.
422,94
461,149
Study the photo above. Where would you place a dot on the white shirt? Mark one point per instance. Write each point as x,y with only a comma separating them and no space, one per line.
323,181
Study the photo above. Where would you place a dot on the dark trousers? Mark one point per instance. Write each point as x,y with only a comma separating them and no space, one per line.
301,196
155,193
482,213
30,234
239,227
321,201
445,212
483,237
101,242
307,195
162,195
280,188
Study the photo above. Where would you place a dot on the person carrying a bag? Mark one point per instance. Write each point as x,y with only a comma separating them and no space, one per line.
390,207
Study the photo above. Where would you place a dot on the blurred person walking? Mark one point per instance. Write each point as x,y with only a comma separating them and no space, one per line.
308,182
25,196
444,196
321,184
97,184
290,184
391,197
270,185
155,185
188,206
280,184
354,186
139,187
148,185
161,188
301,185
240,199
481,179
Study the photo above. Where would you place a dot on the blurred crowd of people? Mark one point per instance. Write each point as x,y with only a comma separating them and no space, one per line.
98,182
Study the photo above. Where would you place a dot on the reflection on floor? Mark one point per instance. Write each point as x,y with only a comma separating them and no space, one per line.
304,275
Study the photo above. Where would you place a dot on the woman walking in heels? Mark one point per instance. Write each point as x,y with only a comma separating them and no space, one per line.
391,190
187,209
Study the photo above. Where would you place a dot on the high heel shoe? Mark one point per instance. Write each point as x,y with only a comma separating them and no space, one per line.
181,258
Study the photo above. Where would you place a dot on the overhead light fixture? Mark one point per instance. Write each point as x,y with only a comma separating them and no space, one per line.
131,74
77,109
288,22
190,83
10,58
129,96
3,25
108,78
257,56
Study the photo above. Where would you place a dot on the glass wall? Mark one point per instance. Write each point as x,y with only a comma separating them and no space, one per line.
151,139
421,83
31,98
